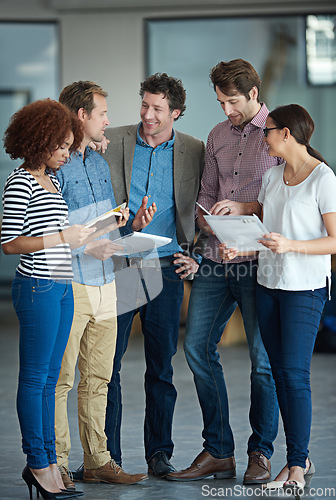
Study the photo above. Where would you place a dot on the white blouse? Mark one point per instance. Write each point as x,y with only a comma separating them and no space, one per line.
296,213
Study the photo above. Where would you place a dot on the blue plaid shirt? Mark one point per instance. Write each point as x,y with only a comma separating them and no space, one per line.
87,189
152,175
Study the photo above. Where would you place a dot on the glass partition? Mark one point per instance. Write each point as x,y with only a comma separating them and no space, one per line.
276,46
321,49
29,61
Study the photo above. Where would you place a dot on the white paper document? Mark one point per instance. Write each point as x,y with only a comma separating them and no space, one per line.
238,231
139,242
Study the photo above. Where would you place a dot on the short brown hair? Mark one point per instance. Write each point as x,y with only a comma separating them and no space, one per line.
235,76
170,87
38,129
80,95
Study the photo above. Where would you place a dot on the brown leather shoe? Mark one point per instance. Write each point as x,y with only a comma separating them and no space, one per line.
111,473
258,469
204,466
66,478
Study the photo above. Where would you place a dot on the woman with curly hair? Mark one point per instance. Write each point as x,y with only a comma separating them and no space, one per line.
35,225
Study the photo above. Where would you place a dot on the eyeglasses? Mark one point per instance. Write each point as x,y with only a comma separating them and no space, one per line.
266,130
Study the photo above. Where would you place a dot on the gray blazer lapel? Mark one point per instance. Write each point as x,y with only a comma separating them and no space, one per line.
179,163
129,147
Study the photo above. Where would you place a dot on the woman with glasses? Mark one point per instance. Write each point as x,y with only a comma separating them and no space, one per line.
35,225
299,208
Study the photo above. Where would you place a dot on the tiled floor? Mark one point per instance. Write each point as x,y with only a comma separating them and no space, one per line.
187,426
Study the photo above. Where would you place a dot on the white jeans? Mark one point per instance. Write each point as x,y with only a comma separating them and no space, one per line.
92,341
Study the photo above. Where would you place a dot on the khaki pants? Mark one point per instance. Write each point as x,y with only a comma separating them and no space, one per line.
92,340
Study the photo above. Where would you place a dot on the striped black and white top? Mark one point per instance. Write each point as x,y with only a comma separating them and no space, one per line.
31,210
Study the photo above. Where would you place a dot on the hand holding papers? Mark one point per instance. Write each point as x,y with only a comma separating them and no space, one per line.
106,219
108,222
240,231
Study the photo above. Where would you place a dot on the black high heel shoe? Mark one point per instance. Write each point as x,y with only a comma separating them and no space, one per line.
31,481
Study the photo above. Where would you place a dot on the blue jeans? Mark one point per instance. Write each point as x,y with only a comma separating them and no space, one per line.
289,322
216,291
45,309
160,327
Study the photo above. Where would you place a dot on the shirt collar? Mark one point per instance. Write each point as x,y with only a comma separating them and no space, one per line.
165,145
258,121
88,152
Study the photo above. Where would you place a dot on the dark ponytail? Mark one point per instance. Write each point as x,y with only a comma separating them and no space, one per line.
315,154
300,124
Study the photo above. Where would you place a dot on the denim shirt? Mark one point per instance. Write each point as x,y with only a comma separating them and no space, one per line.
87,189
152,175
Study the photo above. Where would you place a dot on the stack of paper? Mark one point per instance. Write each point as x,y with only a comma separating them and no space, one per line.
140,242
238,231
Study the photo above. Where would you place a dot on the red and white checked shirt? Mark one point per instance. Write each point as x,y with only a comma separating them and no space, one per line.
235,162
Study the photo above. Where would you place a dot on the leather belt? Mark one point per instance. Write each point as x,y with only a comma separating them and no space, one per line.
151,263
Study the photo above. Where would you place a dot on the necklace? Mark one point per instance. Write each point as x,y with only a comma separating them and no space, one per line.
305,163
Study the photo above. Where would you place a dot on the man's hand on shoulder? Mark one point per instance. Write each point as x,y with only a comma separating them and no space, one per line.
144,215
99,146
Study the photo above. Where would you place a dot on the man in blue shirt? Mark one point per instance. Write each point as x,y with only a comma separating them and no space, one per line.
152,159
86,186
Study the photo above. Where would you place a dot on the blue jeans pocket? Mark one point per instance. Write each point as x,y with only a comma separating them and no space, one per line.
41,285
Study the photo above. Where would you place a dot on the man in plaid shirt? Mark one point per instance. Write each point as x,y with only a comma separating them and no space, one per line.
236,159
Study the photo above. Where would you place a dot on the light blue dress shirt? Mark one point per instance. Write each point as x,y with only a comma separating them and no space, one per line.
87,189
153,175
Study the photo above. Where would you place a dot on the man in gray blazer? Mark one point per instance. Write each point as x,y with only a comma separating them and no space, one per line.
152,159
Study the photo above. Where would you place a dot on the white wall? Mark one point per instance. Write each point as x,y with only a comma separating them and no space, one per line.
107,49
107,46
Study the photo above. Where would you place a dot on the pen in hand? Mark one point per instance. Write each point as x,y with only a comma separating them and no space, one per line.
204,209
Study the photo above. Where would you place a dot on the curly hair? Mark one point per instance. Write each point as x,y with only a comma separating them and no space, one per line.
170,87
38,129
235,76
